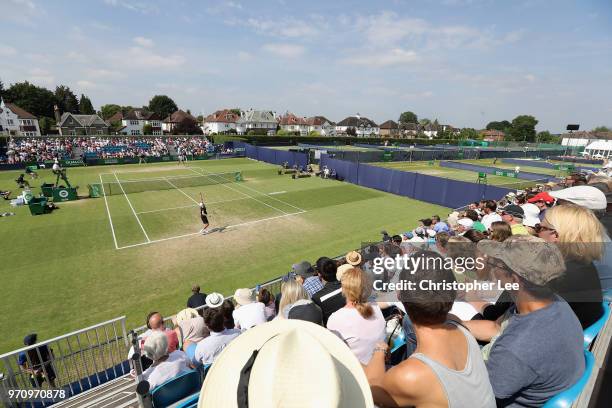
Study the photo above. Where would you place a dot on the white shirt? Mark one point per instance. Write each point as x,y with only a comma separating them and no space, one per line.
157,374
249,315
208,349
361,335
489,219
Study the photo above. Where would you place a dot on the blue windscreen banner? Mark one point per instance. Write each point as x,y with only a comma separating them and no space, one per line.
431,189
275,156
523,175
543,164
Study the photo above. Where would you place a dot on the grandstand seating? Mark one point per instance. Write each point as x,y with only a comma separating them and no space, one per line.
567,397
592,331
177,391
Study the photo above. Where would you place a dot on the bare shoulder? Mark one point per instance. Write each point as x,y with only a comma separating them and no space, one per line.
413,377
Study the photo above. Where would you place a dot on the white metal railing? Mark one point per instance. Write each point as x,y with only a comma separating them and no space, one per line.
74,362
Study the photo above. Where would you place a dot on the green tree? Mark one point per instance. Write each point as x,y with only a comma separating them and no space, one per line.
597,129
109,110
115,126
408,117
282,132
147,129
350,131
85,106
468,133
546,137
236,111
424,122
163,105
200,118
314,133
36,100
504,125
45,124
66,99
1,89
187,126
523,128
445,134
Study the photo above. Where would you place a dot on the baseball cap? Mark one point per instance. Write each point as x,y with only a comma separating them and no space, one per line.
543,196
303,269
584,196
532,258
532,213
514,210
466,222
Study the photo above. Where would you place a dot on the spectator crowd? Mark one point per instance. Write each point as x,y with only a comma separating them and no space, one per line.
516,345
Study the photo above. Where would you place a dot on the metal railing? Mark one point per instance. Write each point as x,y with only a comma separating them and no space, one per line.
74,362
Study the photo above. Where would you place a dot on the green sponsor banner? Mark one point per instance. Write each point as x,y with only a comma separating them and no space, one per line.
510,174
71,163
387,156
565,167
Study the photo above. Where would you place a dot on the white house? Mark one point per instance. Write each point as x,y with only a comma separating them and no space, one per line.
15,121
322,125
255,119
362,126
292,123
133,122
222,121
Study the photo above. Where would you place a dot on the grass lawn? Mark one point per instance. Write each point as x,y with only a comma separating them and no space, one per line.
456,174
63,271
524,167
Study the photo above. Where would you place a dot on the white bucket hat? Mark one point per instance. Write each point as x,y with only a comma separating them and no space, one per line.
286,350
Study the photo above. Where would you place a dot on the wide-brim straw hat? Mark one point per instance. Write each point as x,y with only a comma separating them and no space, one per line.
286,350
244,296
353,258
214,300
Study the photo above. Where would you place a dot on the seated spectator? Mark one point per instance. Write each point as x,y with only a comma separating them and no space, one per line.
208,349
228,314
474,235
305,309
330,298
359,323
155,323
264,296
291,292
37,362
258,368
580,237
248,312
500,231
165,365
441,242
197,299
190,329
304,274
543,201
463,225
477,225
490,214
537,348
513,215
531,219
446,369
439,226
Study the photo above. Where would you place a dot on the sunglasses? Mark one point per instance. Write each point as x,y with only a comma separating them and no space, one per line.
539,228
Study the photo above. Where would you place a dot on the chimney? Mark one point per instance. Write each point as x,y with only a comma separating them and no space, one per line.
57,114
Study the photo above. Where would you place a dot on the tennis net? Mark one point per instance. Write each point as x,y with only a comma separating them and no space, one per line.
168,183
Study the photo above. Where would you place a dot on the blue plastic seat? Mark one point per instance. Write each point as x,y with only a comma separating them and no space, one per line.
176,389
593,330
565,398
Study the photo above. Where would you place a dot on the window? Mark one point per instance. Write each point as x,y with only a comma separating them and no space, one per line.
134,122
9,121
135,132
100,132
73,132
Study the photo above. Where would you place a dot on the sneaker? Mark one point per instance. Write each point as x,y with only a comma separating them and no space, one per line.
204,232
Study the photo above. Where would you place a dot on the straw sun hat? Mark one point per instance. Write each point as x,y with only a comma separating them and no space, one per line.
264,367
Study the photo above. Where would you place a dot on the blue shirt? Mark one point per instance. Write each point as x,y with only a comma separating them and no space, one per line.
538,355
312,285
441,227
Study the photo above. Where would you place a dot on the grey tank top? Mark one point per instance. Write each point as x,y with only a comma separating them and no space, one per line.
469,387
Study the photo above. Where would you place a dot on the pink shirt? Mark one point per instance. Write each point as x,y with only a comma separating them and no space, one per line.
361,335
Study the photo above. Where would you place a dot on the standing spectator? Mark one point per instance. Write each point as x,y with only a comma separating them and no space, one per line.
248,312
538,345
579,236
359,323
37,362
264,296
513,215
446,369
500,231
490,214
208,349
304,274
197,299
165,365
330,298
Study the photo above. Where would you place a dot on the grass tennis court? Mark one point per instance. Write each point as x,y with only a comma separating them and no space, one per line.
456,174
63,271
347,148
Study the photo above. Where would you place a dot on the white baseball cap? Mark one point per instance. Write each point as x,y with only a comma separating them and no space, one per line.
584,196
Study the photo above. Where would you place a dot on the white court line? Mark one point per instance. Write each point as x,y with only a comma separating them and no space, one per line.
193,205
238,191
277,192
198,233
110,220
132,207
257,191
184,193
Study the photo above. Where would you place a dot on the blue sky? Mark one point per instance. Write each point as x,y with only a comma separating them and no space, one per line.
464,62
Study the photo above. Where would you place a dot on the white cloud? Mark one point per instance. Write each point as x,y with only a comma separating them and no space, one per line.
144,42
41,76
84,84
97,73
144,58
136,6
20,11
7,51
284,50
394,56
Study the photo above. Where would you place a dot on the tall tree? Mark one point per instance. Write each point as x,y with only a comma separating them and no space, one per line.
163,105
597,129
468,133
85,106
503,125
523,128
408,117
36,100
45,124
66,99
109,110
187,126
424,122
1,89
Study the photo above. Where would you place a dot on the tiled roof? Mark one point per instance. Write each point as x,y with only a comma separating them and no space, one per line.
141,114
83,120
116,117
291,119
588,135
258,116
318,121
493,132
223,116
357,121
178,116
21,113
389,125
